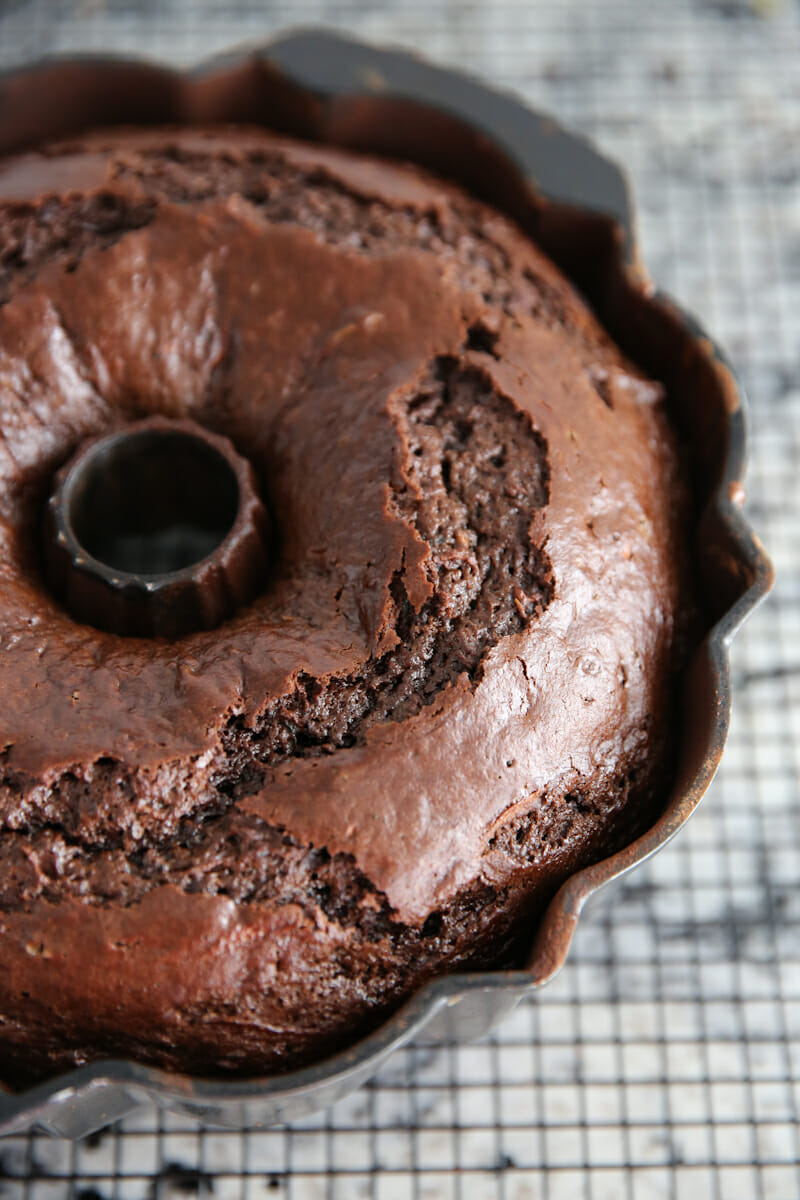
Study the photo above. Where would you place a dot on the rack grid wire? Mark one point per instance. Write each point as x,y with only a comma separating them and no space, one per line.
664,1062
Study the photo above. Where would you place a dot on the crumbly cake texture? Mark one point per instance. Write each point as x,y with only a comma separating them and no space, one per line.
240,850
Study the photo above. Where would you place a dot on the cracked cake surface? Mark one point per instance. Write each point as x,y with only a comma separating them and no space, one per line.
240,849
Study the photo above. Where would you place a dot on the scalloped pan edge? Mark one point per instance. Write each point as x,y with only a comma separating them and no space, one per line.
576,204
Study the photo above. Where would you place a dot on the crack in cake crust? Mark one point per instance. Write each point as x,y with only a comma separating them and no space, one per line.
282,191
237,855
474,473
62,230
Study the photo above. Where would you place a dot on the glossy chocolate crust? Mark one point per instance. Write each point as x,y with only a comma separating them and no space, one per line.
235,851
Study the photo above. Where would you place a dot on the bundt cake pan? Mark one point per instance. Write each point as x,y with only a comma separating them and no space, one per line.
576,204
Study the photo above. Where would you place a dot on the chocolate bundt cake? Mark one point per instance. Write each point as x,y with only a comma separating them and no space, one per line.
236,849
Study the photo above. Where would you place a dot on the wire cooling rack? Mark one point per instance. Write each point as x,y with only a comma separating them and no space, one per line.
664,1062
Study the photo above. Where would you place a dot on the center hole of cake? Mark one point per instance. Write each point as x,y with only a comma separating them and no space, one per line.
153,502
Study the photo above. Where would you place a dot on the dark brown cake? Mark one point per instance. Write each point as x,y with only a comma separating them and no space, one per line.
237,850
